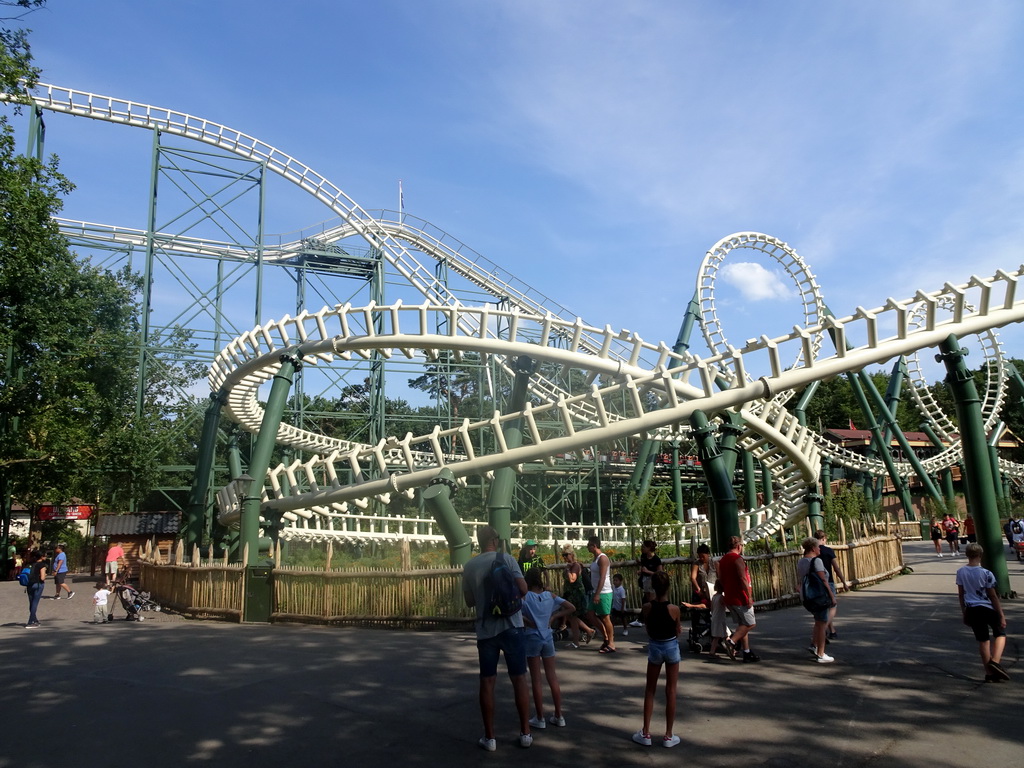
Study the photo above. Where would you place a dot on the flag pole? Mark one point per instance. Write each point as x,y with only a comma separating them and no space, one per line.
401,202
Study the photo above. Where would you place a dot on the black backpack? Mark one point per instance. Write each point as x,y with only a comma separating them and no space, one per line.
503,596
816,594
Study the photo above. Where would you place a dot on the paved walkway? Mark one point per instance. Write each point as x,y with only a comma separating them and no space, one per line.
906,690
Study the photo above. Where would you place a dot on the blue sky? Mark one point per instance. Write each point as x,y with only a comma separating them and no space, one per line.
597,149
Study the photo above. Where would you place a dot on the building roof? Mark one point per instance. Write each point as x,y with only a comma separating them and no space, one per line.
853,437
144,524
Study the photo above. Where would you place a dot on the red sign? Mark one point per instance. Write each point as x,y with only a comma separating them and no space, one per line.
70,512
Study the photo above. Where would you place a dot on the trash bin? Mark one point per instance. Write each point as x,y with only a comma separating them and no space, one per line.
926,530
259,593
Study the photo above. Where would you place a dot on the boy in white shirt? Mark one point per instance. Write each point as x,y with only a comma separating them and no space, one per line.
983,612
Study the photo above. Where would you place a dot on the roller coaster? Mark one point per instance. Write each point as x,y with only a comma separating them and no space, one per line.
455,303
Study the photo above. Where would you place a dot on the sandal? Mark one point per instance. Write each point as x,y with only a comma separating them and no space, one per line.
606,649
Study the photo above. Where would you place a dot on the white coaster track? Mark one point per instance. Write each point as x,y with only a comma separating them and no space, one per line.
663,388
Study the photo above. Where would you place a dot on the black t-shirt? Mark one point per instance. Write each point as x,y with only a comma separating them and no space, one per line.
828,556
35,576
651,563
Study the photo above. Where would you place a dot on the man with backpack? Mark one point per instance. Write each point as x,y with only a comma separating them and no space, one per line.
493,583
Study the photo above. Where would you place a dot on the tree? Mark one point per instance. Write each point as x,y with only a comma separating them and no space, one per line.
68,331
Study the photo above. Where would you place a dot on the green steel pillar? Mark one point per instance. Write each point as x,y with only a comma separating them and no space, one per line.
766,484
946,475
725,521
259,463
977,469
730,431
892,429
882,450
813,501
826,478
640,480
800,411
199,497
993,457
749,482
677,483
437,497
499,497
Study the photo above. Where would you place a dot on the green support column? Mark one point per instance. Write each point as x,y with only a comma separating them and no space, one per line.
196,522
767,487
946,475
259,463
881,450
730,431
749,481
437,498
826,478
499,497
993,457
725,521
813,500
677,483
977,471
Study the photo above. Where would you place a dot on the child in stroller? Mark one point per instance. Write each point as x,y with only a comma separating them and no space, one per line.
134,602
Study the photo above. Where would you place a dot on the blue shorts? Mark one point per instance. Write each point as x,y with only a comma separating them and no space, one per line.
511,643
539,646
663,651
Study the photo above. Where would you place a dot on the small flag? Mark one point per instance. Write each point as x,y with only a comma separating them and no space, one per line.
851,424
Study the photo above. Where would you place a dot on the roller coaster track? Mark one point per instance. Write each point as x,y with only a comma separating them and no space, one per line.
663,396
655,381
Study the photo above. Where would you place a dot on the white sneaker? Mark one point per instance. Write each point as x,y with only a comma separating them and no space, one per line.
558,721
642,738
636,623
625,632
525,740
825,659
538,722
489,744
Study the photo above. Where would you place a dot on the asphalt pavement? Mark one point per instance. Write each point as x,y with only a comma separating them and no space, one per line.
907,689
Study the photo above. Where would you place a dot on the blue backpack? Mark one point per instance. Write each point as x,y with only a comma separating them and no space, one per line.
503,596
23,576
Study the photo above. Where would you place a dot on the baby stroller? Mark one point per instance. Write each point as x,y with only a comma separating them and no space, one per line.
699,638
134,602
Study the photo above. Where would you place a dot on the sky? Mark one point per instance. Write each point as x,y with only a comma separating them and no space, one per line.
595,149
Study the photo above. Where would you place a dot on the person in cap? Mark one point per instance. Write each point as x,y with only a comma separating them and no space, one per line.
528,557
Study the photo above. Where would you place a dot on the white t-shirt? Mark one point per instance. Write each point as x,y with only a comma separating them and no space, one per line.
618,598
975,580
100,598
595,574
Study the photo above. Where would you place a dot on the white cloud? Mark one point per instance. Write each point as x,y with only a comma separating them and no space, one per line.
754,282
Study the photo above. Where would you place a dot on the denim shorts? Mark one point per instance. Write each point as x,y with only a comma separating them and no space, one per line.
511,643
539,646
663,651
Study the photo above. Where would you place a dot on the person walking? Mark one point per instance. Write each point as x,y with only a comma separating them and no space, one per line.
60,572
982,612
736,587
836,580
496,636
574,591
36,585
601,603
808,568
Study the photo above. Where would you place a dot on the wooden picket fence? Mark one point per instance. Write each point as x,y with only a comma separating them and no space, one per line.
432,598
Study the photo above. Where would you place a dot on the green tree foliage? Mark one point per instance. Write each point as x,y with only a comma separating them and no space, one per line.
69,426
652,515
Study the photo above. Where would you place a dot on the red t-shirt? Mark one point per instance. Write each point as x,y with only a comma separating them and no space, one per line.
735,589
113,553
